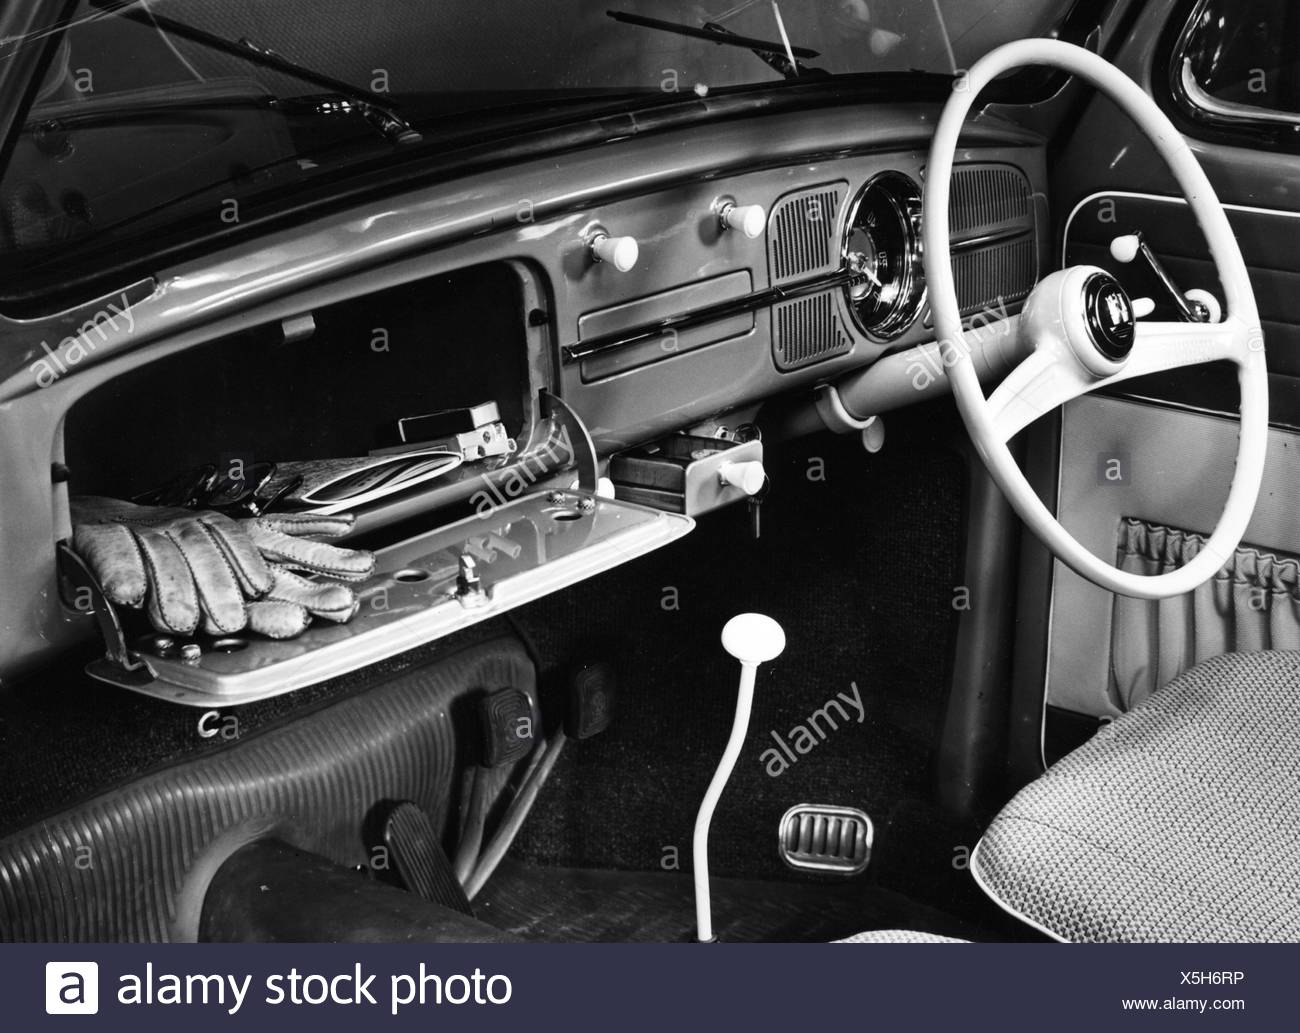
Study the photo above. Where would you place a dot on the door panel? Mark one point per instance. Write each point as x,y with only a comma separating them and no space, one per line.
1177,433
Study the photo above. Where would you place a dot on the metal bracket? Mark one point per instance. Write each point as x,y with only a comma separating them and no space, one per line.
119,665
557,410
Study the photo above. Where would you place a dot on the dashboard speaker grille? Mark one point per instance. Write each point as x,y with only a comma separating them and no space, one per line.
995,276
985,198
807,330
802,235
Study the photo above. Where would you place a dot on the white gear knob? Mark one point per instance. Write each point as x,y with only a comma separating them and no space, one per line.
620,252
750,219
753,638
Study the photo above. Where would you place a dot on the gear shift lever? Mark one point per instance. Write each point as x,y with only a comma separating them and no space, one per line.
752,639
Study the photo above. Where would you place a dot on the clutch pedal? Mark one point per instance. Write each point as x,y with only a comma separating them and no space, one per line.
826,838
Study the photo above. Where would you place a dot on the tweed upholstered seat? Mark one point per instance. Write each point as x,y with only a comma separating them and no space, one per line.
1179,821
898,936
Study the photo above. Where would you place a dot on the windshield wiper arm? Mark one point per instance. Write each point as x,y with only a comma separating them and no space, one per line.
779,62
376,108
712,33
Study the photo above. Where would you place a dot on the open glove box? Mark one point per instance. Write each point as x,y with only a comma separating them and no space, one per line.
424,588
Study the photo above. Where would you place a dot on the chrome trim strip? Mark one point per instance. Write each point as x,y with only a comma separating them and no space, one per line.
1195,95
692,318
992,239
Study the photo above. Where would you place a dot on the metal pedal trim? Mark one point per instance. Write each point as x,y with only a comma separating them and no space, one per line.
826,838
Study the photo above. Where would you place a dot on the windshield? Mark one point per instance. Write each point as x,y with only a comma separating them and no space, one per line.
158,112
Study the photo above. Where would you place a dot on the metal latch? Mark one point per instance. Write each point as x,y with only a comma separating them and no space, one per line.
120,664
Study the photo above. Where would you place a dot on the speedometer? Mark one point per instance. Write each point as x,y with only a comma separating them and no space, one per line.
882,248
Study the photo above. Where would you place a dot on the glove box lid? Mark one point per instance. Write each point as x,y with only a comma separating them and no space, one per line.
521,550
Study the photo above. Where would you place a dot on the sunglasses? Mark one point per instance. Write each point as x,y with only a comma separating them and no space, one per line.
235,492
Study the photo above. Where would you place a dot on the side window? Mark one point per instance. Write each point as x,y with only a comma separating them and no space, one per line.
1240,60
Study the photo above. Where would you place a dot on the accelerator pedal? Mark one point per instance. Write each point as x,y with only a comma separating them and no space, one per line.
826,838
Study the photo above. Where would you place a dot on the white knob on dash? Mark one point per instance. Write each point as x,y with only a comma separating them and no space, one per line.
753,638
747,476
1143,307
1124,249
620,252
749,219
1213,310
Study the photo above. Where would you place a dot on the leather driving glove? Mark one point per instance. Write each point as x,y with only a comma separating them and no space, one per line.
199,569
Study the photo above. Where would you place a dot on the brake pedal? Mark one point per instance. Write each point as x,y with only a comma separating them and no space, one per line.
507,723
826,838
508,726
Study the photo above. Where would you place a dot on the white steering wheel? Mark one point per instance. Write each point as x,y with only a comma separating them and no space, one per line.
1084,335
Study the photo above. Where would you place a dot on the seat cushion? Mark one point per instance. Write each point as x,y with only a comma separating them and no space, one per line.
1179,821
898,936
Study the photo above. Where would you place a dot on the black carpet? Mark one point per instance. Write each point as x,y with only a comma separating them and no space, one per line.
860,566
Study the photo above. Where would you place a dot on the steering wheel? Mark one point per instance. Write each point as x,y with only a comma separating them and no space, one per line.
1084,334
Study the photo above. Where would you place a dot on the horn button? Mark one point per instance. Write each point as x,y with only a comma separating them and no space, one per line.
1108,312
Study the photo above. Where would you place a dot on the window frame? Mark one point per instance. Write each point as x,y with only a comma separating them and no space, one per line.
1207,117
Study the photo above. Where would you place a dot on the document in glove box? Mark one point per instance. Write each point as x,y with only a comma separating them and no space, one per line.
336,485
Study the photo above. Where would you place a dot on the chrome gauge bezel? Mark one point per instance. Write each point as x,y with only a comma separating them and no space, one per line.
902,198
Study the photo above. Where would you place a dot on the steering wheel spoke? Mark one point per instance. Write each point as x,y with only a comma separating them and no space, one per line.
1047,379
1034,388
1163,346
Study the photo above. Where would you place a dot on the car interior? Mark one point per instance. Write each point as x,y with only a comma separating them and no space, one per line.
821,471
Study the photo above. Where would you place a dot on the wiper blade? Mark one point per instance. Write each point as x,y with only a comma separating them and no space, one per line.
713,33
377,109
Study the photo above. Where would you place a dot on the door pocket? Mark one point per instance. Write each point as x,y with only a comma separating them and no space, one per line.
1252,603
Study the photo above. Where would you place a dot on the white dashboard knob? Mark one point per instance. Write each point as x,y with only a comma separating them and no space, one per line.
1143,307
753,638
620,252
747,476
750,219
1124,249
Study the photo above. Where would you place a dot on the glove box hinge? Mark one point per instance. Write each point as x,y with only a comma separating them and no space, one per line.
119,665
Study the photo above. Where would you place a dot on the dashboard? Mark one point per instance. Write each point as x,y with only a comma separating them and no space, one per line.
772,254
710,319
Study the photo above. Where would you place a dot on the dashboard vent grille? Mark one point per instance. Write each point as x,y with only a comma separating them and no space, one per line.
985,198
995,276
805,331
802,236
